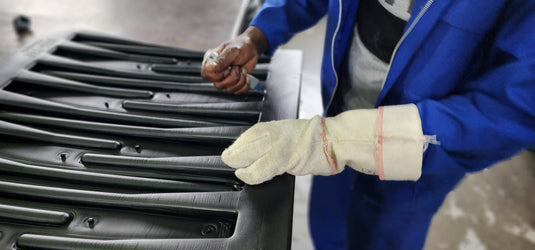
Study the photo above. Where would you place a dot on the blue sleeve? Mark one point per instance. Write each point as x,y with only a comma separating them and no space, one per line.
281,19
493,117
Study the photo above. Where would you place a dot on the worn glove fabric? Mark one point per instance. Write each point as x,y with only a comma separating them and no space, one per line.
387,141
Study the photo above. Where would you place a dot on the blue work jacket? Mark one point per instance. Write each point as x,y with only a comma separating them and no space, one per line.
468,65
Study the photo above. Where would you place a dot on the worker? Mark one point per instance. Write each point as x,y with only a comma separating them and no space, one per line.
416,94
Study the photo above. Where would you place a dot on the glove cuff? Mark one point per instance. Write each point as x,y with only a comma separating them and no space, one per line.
400,146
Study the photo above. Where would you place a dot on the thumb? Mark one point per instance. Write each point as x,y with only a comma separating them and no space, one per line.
260,171
248,148
224,59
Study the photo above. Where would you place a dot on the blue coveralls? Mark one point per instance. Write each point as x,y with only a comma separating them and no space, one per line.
468,65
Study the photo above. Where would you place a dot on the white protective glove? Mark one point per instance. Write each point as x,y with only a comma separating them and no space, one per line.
387,141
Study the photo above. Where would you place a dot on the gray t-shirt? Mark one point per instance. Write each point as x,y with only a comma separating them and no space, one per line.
366,72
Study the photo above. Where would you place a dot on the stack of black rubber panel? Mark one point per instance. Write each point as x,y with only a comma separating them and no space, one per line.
107,143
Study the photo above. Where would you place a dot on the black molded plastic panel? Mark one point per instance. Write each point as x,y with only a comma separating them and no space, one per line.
107,143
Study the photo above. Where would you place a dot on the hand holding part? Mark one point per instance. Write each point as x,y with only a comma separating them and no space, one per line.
233,60
251,80
387,142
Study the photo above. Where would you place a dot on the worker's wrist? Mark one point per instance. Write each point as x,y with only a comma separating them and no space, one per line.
387,141
403,142
258,39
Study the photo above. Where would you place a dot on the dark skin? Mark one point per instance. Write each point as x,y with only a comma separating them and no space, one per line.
236,58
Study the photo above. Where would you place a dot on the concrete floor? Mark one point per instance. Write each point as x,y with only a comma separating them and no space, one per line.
198,25
492,209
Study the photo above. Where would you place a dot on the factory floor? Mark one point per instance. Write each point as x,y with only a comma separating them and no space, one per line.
492,209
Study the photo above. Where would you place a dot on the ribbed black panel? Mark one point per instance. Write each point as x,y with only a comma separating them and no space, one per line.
108,143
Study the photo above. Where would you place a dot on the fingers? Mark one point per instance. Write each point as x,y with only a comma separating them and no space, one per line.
242,85
245,87
235,82
249,147
207,69
226,55
228,70
260,171
232,78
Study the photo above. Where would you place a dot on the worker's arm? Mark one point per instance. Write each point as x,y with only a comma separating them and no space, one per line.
281,19
276,22
484,121
387,142
492,117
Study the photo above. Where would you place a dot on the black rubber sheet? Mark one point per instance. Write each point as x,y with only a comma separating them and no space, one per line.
108,143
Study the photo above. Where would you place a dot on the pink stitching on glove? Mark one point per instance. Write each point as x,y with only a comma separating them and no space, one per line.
379,146
325,148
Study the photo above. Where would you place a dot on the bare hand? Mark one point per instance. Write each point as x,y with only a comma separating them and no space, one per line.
235,59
